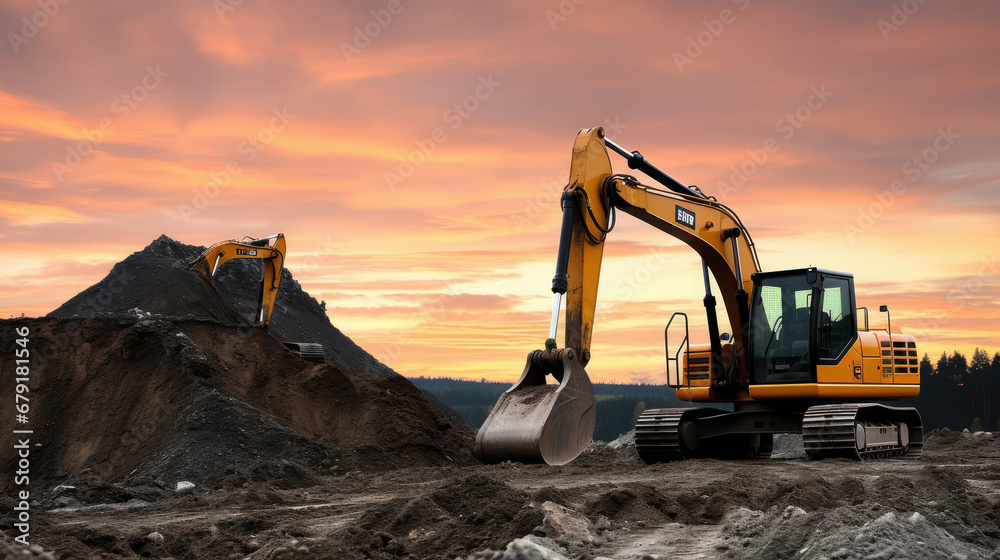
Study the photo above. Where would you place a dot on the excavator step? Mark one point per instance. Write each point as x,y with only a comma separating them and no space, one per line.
862,431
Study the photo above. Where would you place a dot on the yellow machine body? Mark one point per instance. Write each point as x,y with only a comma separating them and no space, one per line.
874,368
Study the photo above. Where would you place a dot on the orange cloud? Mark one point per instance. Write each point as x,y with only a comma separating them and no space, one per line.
28,214
476,214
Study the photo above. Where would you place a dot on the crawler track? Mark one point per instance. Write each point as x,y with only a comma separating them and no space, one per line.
860,431
656,435
672,434
836,430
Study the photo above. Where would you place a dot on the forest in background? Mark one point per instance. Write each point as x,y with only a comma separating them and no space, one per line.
960,393
618,405
955,392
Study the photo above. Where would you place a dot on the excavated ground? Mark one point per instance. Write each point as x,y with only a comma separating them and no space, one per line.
945,505
151,378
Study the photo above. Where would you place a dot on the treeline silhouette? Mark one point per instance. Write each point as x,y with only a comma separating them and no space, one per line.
618,404
958,393
955,393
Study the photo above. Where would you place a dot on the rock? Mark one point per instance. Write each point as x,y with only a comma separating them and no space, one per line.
184,486
565,525
155,537
624,440
791,511
65,501
788,446
524,549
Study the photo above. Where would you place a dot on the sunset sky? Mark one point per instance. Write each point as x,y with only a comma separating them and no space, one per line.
413,153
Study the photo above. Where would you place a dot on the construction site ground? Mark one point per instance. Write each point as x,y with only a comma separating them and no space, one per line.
944,505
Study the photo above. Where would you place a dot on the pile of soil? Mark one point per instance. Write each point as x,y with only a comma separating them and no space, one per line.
458,516
150,377
156,279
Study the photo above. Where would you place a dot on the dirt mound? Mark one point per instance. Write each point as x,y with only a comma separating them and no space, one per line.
841,533
156,279
600,454
141,398
462,515
962,445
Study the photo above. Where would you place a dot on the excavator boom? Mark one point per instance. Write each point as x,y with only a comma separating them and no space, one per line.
713,230
271,250
552,423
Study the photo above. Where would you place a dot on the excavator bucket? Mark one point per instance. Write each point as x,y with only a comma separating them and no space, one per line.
535,422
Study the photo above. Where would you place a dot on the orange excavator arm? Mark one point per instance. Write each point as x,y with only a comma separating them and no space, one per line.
271,250
538,422
713,230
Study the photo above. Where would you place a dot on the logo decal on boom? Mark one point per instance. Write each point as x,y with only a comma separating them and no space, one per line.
685,217
247,252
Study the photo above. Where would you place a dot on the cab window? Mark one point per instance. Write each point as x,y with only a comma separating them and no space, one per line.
781,315
836,321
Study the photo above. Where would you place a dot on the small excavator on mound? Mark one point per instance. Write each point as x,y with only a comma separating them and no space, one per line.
271,252
802,358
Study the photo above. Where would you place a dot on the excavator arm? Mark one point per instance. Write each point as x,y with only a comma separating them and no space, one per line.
710,228
538,422
271,250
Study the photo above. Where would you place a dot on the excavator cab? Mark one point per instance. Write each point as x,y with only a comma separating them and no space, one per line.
799,319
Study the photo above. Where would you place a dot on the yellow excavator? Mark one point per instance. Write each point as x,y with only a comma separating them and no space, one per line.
271,252
801,359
